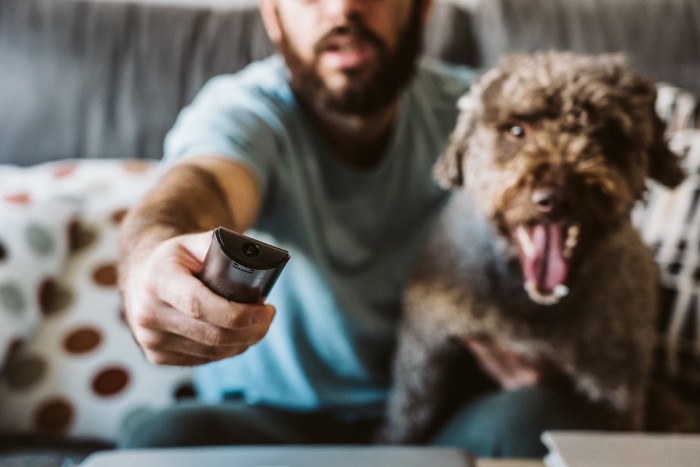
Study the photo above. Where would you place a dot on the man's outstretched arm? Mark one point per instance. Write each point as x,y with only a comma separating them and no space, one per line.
173,316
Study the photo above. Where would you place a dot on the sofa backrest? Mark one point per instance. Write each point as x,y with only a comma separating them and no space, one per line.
661,38
87,79
106,79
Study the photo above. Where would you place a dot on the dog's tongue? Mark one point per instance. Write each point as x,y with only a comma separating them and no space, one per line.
542,256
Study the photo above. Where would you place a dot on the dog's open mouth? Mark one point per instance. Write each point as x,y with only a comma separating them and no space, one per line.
545,251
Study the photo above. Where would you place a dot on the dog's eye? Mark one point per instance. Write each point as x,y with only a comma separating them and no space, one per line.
516,130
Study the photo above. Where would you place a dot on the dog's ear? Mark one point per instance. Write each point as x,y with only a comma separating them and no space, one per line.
664,165
448,170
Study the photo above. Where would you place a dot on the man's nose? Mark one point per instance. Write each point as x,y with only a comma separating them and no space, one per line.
340,8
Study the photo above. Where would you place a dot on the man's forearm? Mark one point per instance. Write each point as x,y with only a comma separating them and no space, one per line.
187,199
172,316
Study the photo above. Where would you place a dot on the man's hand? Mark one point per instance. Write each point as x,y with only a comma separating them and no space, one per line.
509,369
175,318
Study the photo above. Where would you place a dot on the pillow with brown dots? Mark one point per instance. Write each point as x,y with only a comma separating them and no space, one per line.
33,252
73,370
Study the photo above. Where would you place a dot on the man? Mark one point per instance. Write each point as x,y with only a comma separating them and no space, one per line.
327,154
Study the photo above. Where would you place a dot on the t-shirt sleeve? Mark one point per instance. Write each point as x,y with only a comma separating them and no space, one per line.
227,119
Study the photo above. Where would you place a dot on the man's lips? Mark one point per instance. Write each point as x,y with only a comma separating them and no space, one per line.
346,52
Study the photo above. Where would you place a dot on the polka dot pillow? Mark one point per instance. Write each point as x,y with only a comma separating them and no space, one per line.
33,252
79,373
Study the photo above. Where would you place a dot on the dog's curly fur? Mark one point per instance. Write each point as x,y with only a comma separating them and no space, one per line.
543,142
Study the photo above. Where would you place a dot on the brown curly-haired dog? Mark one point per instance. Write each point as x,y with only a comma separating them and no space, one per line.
535,247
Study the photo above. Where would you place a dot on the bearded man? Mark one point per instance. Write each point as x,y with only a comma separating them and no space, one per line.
325,150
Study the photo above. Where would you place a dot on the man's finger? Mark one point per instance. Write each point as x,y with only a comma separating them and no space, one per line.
508,368
174,344
166,320
190,296
173,358
197,244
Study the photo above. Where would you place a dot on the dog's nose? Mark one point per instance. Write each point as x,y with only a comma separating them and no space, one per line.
544,199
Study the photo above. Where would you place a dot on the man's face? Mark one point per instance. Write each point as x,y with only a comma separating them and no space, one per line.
350,56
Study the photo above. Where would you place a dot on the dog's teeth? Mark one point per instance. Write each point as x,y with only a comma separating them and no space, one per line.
525,241
572,234
561,291
574,230
536,296
531,289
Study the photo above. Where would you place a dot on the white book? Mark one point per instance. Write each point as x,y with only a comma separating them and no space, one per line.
616,449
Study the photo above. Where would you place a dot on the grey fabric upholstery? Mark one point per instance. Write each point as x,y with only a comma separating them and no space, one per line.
87,79
660,37
99,80
82,79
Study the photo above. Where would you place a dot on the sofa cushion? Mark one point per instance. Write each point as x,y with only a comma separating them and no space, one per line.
670,224
81,373
679,108
33,250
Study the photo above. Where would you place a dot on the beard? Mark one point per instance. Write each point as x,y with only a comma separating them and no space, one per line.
363,96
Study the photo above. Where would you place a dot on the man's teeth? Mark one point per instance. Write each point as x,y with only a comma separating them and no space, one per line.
347,48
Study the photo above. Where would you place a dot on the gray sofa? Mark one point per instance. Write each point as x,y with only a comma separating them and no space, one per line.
96,79
83,79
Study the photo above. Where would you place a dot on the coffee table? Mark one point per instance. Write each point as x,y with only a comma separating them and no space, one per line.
508,463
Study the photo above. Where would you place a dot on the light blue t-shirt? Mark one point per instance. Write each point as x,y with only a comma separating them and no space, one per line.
352,236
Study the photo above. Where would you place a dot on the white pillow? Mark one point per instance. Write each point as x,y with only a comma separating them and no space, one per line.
82,373
33,250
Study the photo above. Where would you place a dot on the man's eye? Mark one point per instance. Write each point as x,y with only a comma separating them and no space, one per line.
516,130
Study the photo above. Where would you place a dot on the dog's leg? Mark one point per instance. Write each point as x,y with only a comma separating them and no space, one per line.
638,403
418,387
666,411
618,380
628,400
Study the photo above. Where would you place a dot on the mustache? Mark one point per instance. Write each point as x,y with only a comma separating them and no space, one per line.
354,27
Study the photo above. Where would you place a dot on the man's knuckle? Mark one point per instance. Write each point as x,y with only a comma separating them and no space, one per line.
151,341
156,358
219,353
146,319
195,307
217,337
233,320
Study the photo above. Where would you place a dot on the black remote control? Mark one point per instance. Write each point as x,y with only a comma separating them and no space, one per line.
240,268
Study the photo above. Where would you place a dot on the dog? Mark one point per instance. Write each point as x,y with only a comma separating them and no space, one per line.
535,247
